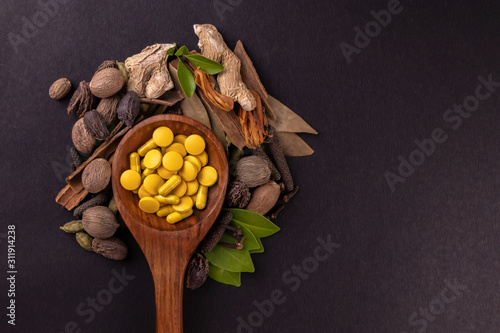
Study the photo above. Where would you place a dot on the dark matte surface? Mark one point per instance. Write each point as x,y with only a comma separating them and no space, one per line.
397,248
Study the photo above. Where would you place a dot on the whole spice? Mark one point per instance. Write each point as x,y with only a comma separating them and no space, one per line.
75,157
59,89
287,197
275,174
277,210
121,66
72,227
96,125
82,100
215,233
264,198
106,64
84,240
129,108
279,158
100,221
111,248
83,140
107,109
96,175
107,82
99,200
196,272
253,171
112,205
238,195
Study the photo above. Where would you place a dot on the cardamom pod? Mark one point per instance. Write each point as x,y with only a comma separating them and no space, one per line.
129,108
84,240
99,221
81,101
72,227
111,248
112,205
196,272
123,69
96,125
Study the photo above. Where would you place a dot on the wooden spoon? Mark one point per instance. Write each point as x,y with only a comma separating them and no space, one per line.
168,248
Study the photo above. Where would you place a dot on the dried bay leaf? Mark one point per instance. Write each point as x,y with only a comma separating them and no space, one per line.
293,145
287,120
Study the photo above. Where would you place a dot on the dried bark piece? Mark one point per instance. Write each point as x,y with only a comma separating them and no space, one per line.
129,108
215,233
99,200
83,140
148,71
96,125
212,46
96,175
111,248
264,198
275,174
196,272
69,199
293,145
81,101
107,109
60,88
238,195
287,120
279,158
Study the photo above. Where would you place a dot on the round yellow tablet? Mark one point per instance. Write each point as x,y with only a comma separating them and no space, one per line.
149,205
130,180
195,161
207,176
185,204
188,171
164,173
194,144
152,183
152,160
178,147
163,136
143,193
173,161
192,187
181,138
180,190
203,157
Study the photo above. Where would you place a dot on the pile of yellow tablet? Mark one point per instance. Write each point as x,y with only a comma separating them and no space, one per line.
170,175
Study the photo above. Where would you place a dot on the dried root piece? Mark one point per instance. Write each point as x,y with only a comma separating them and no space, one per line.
215,233
253,123
203,81
279,158
196,272
212,46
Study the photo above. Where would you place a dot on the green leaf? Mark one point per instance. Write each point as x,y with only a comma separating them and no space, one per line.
171,51
249,243
258,224
186,79
231,259
259,250
182,51
223,276
208,66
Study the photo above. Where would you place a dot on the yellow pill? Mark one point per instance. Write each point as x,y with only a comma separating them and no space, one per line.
188,172
130,180
185,204
176,216
165,210
180,190
135,162
193,197
207,176
143,193
168,200
194,144
164,173
170,185
192,187
163,150
153,158
181,138
143,150
203,157
195,161
147,172
172,161
163,136
149,205
142,164
201,197
152,183
178,147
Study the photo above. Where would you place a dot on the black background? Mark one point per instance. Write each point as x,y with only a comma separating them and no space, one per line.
397,248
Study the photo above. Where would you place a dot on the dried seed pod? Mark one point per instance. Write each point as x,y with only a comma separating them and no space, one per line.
75,157
107,82
112,205
253,171
72,227
60,88
238,195
264,198
111,248
129,108
106,64
100,221
82,100
99,200
107,108
279,157
215,233
196,272
83,141
84,240
96,125
123,69
275,174
96,175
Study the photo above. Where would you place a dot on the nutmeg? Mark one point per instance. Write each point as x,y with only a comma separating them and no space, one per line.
100,222
253,171
82,139
107,82
111,248
60,88
264,198
96,175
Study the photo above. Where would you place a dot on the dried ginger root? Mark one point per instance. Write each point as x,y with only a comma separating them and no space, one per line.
212,46
149,75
